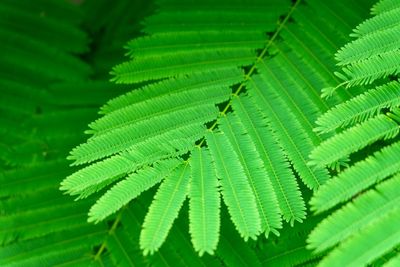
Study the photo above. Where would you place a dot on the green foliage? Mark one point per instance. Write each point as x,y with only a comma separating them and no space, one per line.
365,228
235,188
124,191
243,144
353,139
43,116
377,239
219,103
165,208
360,108
170,112
373,54
204,203
356,215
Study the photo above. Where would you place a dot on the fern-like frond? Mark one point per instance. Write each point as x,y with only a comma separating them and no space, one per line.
159,105
287,130
367,245
357,178
253,167
236,191
386,20
375,67
164,120
276,167
285,78
131,187
384,6
259,142
164,209
96,175
156,113
144,131
353,139
363,211
360,108
152,68
374,55
42,120
204,202
314,55
219,81
176,251
163,44
178,28
366,46
260,124
364,230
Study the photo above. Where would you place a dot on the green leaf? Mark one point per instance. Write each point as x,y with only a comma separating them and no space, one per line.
360,108
152,68
164,209
235,188
353,139
357,178
204,203
384,6
253,167
287,130
276,166
366,209
217,81
366,246
385,20
130,188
